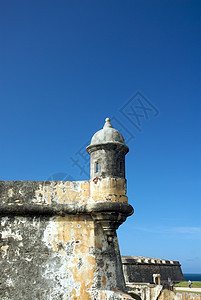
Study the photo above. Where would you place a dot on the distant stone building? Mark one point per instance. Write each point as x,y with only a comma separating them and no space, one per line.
58,238
141,269
148,276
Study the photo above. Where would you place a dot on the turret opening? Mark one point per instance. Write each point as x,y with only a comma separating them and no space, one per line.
97,167
121,166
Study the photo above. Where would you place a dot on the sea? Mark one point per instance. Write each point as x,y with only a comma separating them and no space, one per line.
192,277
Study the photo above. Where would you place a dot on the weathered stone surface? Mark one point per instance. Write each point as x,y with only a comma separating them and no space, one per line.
107,135
144,291
58,239
141,269
107,151
184,296
53,247
168,295
60,197
110,159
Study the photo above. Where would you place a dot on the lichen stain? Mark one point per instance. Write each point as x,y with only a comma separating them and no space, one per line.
108,189
12,234
4,248
104,281
10,193
72,242
63,192
98,242
20,220
84,273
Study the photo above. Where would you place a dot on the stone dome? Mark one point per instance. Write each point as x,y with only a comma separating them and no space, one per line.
107,135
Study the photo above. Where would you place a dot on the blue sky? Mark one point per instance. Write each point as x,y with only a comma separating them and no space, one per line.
67,65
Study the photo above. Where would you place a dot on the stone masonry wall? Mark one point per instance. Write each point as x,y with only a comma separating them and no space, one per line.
46,257
141,269
58,243
168,295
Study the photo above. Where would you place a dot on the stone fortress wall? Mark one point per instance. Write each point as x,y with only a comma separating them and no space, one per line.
58,238
141,269
58,243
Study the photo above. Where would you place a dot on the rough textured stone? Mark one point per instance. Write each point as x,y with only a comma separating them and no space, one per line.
184,296
107,151
168,295
141,269
107,135
58,239
54,241
144,291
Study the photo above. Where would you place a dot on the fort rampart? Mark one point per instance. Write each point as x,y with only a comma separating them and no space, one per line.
57,242
141,269
58,238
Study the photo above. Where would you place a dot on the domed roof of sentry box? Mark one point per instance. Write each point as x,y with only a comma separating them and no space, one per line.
107,135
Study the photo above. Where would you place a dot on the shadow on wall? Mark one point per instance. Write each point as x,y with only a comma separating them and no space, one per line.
135,296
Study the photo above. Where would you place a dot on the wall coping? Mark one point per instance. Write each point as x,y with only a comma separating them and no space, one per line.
141,260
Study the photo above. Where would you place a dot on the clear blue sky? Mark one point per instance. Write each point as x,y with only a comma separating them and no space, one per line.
66,65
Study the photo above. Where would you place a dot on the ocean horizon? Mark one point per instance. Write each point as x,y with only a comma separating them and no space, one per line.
192,277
